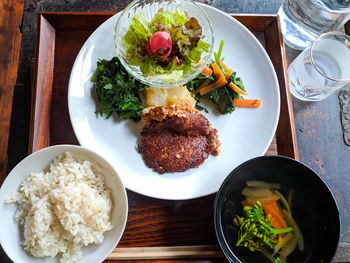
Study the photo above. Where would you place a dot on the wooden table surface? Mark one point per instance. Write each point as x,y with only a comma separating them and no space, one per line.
318,125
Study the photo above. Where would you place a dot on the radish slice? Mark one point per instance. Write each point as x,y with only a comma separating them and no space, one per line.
161,39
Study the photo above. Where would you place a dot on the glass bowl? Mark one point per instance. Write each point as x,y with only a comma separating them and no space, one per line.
148,9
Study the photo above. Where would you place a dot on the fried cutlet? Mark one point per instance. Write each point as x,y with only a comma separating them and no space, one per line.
175,139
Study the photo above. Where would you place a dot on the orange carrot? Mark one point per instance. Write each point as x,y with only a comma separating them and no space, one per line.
228,71
204,83
237,89
279,214
207,71
217,71
250,103
270,211
273,210
217,84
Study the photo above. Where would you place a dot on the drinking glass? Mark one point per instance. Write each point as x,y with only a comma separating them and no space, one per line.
322,68
304,20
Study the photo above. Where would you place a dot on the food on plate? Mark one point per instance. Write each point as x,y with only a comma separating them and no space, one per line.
167,47
63,209
267,224
117,91
179,96
221,86
175,139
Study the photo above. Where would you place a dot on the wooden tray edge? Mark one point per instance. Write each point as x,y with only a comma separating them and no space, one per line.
35,145
42,84
286,124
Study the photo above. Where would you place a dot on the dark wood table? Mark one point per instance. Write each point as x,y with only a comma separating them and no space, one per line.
318,125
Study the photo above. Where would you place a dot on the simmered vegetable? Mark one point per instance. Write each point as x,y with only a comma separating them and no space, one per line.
256,230
221,86
265,226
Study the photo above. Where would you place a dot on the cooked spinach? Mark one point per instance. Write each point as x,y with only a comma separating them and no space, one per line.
222,97
117,91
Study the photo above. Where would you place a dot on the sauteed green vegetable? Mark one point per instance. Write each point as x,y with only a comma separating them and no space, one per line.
117,91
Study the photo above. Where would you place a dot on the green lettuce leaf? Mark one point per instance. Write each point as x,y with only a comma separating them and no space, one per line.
167,18
172,72
196,52
137,36
178,36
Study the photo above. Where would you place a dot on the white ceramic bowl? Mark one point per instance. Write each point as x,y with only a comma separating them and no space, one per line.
10,234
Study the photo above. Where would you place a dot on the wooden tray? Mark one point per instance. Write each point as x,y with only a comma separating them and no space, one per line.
164,229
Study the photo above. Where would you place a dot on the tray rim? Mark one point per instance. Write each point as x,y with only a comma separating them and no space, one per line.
283,79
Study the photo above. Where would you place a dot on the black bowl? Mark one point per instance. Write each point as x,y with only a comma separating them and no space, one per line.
313,207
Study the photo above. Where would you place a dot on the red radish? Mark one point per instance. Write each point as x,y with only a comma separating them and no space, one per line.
160,40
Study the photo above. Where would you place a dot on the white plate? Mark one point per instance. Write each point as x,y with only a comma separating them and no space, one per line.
244,134
11,233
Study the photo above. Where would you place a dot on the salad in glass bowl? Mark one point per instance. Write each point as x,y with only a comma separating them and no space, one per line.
164,43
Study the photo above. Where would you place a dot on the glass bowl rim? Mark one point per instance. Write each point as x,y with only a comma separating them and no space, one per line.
157,83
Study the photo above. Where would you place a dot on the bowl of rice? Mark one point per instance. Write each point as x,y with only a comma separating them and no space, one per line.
63,203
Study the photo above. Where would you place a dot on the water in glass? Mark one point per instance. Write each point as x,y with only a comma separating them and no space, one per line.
322,68
303,20
308,84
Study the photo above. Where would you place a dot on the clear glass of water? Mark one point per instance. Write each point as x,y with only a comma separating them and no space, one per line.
322,68
304,20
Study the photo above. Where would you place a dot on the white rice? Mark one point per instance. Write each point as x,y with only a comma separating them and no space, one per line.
64,209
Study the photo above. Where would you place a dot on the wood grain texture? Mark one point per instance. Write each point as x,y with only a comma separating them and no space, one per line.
322,148
151,222
344,101
347,28
217,260
255,22
173,252
285,134
248,6
10,42
39,136
155,222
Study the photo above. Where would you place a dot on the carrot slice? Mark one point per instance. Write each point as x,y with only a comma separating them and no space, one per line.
217,71
204,83
250,103
235,88
272,209
207,71
217,84
228,71
208,88
279,214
